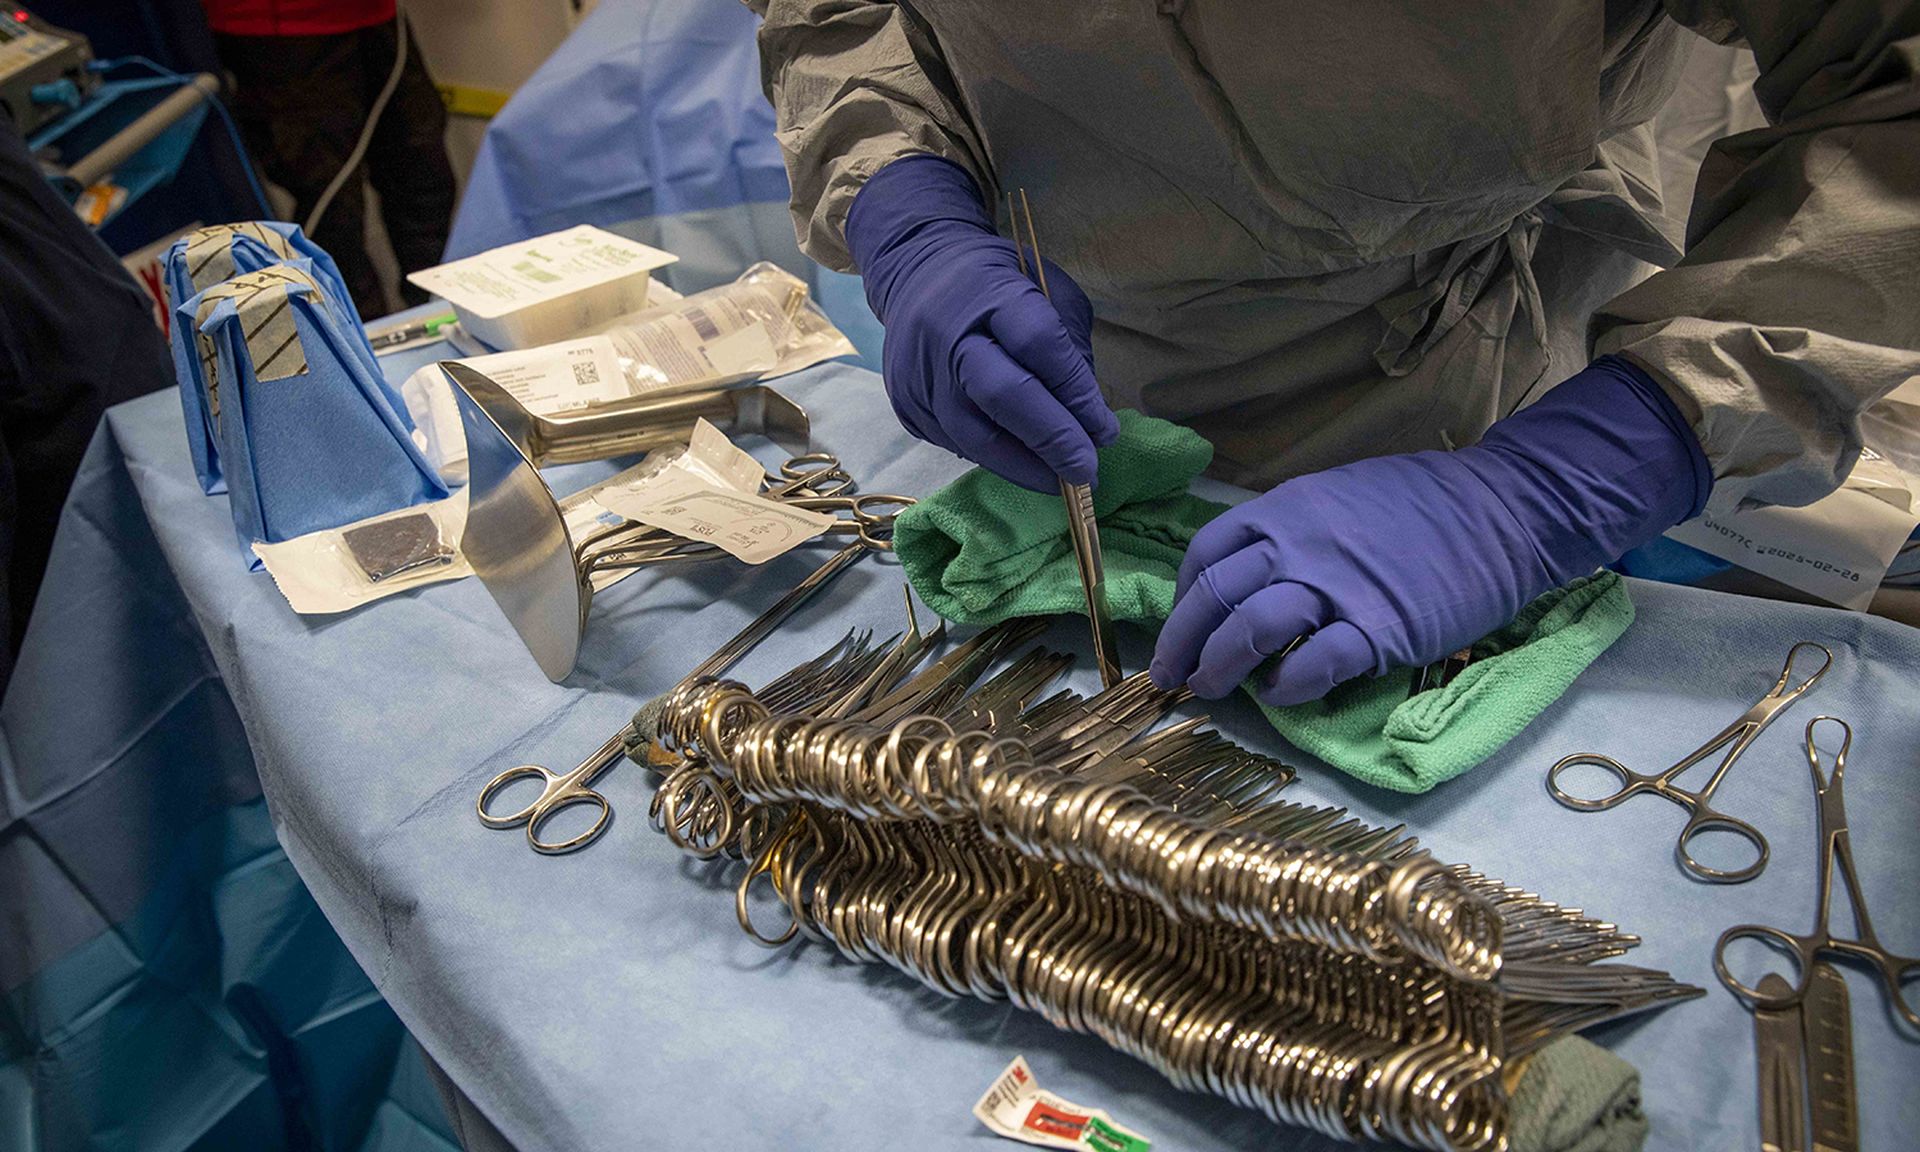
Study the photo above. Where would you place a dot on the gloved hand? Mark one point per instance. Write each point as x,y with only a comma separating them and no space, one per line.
976,360
1400,560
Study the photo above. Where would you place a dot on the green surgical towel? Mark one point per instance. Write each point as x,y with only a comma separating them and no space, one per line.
982,550
1576,1097
1372,730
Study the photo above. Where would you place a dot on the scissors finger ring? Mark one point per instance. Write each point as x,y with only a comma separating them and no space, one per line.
506,780
1630,782
1707,820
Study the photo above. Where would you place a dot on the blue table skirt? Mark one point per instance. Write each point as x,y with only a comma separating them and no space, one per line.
606,999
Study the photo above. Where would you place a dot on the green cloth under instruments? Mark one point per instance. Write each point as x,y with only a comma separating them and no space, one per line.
1575,1096
982,550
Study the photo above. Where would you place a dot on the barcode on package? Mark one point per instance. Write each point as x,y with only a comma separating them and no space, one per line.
703,324
586,373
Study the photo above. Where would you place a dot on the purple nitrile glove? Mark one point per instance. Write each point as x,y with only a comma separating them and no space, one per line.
1400,560
976,359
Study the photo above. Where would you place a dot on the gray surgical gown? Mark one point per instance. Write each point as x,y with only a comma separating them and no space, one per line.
1326,229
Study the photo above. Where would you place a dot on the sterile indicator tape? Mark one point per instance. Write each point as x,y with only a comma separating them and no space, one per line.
209,251
263,304
209,372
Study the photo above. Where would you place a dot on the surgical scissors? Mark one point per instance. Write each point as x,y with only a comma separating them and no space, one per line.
574,789
874,529
557,792
1735,738
816,481
1836,847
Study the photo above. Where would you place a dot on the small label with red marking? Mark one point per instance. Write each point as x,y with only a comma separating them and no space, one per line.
1019,1109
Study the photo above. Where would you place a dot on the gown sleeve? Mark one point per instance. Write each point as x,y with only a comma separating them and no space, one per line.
855,84
1797,304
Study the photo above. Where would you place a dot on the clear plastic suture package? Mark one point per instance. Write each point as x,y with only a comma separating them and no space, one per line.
762,324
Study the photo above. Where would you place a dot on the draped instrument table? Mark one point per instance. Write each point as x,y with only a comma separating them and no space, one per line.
607,999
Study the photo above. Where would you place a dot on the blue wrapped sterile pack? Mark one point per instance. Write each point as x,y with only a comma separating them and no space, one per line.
308,435
208,256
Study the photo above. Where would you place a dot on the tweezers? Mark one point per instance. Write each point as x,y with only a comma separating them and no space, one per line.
1082,526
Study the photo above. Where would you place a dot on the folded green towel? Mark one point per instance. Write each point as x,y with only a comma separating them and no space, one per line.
982,550
1371,729
1576,1097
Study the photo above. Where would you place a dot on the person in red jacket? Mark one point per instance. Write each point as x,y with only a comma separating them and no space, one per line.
308,74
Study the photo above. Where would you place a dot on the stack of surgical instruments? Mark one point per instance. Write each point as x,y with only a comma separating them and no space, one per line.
573,790
964,821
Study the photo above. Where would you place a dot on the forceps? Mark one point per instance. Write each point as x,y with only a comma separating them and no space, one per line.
867,516
1081,524
1836,847
574,789
1739,735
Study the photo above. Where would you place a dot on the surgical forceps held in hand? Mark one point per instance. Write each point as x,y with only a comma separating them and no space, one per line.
1082,526
1739,735
1836,847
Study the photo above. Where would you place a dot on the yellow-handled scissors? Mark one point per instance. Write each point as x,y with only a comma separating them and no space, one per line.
1836,848
1735,738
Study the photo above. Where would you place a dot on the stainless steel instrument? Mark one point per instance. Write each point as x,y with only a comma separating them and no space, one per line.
1827,1018
1779,1048
518,543
1736,738
1803,1024
574,789
635,426
1806,1052
1082,526
516,539
1144,881
1896,972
